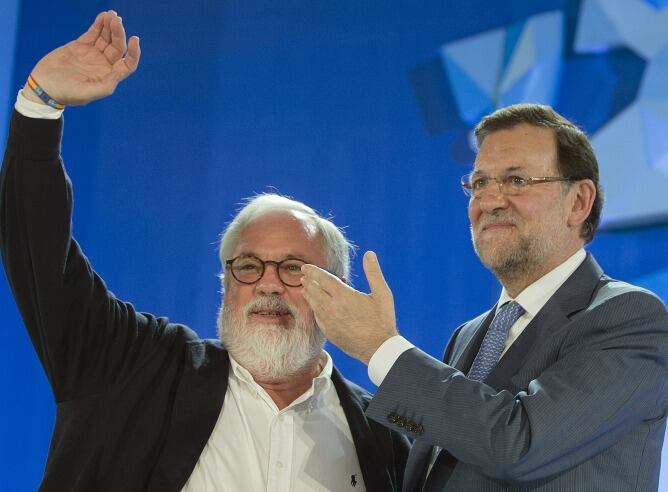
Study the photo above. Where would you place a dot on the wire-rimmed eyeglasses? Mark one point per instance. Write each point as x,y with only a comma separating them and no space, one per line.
475,184
249,269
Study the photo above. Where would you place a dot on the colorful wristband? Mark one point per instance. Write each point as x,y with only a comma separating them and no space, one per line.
41,93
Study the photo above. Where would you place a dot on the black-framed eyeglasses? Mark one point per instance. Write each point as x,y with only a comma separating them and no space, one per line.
475,184
250,269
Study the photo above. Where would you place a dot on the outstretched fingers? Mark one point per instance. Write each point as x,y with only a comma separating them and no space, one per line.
104,37
107,35
375,277
125,66
118,45
321,280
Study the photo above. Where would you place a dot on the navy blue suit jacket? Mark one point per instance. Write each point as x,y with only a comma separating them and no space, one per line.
578,403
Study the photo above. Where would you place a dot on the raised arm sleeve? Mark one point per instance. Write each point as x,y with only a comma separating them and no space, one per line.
85,338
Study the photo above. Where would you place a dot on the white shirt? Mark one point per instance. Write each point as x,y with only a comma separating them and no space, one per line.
307,446
532,299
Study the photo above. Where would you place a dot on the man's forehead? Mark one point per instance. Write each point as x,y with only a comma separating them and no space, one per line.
521,148
503,170
278,235
285,219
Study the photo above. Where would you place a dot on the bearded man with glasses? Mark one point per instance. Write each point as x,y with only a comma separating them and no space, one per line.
562,385
142,403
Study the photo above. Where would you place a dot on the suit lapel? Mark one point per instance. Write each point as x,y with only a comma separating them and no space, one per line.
467,342
574,295
198,401
516,356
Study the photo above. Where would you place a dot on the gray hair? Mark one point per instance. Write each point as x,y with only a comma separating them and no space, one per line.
337,248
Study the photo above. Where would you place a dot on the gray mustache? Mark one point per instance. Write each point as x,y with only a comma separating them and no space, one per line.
274,303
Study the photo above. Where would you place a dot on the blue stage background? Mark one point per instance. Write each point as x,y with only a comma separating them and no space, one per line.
360,109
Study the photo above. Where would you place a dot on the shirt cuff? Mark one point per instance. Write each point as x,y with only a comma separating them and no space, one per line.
385,356
35,110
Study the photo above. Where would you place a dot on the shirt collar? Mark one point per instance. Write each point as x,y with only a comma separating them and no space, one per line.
536,295
319,387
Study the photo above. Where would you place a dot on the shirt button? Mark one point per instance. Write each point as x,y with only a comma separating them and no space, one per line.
280,418
279,464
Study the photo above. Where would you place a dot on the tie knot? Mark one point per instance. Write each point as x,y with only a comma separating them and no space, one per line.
509,312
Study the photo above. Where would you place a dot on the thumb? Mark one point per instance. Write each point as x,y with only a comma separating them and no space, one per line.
375,278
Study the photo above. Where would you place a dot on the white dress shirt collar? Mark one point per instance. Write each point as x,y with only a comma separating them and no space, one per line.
536,295
319,386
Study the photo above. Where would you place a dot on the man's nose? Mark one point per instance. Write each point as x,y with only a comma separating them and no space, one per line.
492,198
270,282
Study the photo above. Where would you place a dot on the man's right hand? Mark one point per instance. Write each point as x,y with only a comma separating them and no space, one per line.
89,67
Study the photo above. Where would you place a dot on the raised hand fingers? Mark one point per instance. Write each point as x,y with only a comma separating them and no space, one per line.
374,275
94,31
118,45
357,323
325,280
132,56
125,66
104,37
109,37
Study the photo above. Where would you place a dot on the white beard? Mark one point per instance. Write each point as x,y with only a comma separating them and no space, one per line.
270,352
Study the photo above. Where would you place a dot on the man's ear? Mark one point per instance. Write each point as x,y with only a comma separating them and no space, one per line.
583,193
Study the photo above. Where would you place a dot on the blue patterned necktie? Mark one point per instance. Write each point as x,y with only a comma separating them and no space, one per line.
495,338
486,359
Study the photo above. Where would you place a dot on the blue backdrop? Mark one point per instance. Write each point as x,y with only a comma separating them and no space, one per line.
361,109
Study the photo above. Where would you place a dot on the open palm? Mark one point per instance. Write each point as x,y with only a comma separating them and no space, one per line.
91,66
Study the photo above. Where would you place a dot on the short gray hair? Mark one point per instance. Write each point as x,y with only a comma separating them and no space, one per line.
337,248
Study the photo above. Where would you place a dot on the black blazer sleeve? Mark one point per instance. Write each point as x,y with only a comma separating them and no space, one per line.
85,338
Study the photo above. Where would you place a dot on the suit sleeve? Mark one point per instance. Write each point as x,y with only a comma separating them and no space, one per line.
85,338
608,376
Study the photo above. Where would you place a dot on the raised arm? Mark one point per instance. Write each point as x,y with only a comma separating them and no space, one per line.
86,339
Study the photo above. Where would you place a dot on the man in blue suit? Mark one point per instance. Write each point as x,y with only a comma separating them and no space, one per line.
561,386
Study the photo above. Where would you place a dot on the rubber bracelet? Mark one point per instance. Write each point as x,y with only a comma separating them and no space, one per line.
41,93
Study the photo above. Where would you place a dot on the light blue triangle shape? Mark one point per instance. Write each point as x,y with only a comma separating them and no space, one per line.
513,35
596,33
547,31
521,62
640,27
655,78
479,57
655,130
472,102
